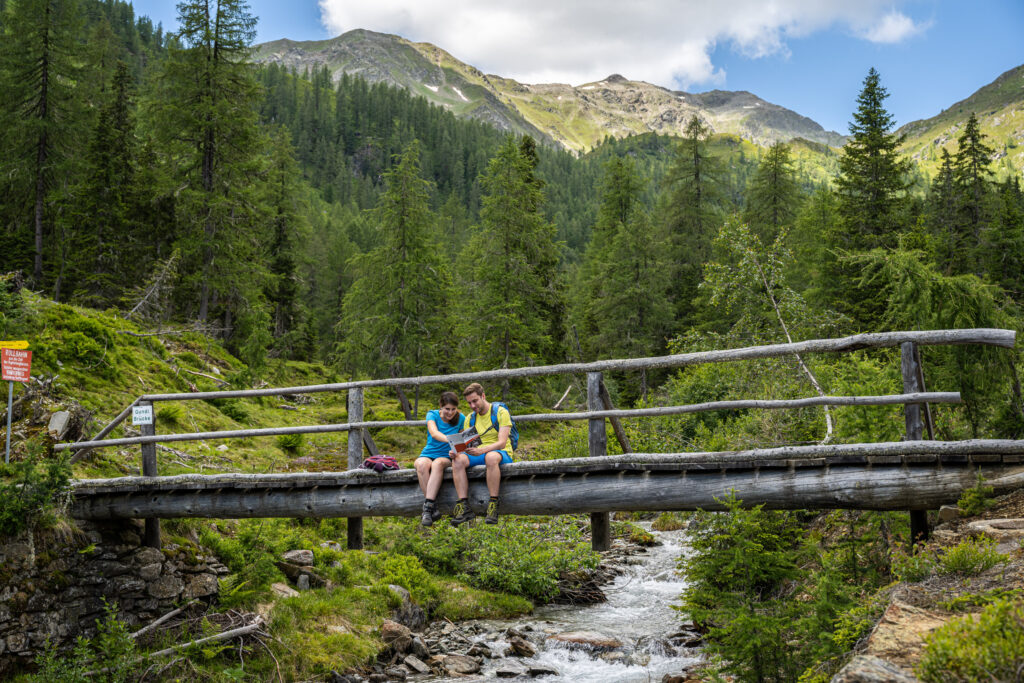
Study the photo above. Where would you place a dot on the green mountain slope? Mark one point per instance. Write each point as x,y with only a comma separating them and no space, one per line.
577,117
1000,110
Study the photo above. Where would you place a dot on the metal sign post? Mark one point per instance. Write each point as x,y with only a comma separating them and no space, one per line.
15,366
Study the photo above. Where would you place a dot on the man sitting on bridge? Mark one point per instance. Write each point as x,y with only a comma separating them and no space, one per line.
494,424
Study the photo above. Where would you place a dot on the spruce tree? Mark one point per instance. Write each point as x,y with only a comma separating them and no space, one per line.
773,197
972,174
40,118
871,184
943,216
202,112
693,212
396,319
510,296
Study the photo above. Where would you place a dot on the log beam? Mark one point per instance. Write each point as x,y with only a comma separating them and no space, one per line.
865,487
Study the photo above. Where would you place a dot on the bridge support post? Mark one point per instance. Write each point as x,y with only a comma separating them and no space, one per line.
912,383
600,522
149,469
355,459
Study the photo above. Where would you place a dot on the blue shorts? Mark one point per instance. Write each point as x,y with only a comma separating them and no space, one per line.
477,460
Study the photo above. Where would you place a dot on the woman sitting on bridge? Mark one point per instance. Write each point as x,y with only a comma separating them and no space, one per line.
433,459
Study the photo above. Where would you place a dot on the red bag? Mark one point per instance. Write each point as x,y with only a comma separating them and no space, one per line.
379,463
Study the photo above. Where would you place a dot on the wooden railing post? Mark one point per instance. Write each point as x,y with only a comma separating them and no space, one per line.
149,469
355,459
600,523
915,428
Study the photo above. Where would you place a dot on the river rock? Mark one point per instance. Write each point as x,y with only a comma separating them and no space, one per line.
396,673
673,678
303,558
587,639
520,647
416,664
419,648
871,669
536,670
409,614
460,664
480,650
509,669
396,635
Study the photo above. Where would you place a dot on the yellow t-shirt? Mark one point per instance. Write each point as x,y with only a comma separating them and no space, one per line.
485,428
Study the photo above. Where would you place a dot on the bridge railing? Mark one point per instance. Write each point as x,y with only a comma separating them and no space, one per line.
598,406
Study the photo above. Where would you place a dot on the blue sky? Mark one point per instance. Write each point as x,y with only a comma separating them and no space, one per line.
807,55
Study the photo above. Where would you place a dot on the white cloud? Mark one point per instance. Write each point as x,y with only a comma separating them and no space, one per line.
893,28
667,42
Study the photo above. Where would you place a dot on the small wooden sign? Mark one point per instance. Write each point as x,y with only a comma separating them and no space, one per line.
17,365
142,415
21,344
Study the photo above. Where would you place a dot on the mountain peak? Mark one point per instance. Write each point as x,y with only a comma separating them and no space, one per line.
617,78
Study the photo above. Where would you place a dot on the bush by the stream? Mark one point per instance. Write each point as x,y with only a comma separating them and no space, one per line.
989,648
109,657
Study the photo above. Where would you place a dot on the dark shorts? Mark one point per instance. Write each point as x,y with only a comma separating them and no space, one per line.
477,460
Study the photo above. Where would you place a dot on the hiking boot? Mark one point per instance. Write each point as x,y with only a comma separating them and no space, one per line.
492,512
462,513
430,514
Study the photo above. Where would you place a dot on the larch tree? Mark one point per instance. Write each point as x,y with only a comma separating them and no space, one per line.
39,119
396,317
692,214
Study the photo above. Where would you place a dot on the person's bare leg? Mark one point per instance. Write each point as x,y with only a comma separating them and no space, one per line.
437,469
459,477
423,473
493,461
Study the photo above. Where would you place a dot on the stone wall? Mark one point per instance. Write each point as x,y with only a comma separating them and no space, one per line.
53,584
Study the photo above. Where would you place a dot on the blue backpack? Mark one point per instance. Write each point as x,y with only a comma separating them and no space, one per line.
513,434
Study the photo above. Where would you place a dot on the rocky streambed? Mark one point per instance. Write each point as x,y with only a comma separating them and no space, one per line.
634,635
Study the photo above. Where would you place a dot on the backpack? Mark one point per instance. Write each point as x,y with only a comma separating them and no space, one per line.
379,463
513,434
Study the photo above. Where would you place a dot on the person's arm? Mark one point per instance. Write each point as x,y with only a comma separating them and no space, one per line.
435,432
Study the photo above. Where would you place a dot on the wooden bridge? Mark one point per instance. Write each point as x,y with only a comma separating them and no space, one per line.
915,474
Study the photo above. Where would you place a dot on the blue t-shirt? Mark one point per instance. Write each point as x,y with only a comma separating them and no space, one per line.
439,449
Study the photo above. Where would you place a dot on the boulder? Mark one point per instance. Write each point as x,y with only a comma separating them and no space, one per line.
1001,530
509,669
461,664
59,424
303,558
899,635
520,647
949,513
536,670
419,648
397,636
396,673
592,640
416,664
283,590
871,669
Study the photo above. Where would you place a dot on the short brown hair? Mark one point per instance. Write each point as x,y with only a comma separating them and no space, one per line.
473,388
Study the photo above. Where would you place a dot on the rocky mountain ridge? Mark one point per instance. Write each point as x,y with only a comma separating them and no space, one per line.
576,117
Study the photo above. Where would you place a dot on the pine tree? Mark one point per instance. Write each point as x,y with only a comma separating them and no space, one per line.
972,171
693,212
511,296
773,197
871,184
395,319
943,216
203,114
40,110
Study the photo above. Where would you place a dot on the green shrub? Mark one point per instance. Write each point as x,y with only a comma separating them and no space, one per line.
290,443
32,490
633,533
112,653
989,649
170,413
408,572
668,521
232,408
913,567
975,500
971,557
